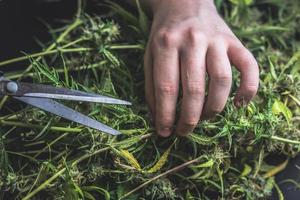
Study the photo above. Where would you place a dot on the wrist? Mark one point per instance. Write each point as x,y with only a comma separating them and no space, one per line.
203,4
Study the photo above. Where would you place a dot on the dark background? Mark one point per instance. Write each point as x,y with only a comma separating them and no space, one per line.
23,23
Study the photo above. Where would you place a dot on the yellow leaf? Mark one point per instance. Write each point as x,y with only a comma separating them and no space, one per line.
162,161
130,158
276,169
280,108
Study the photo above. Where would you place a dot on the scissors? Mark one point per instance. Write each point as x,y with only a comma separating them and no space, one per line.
42,97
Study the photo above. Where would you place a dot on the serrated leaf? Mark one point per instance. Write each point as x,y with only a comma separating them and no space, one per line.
113,59
202,140
125,144
162,161
130,159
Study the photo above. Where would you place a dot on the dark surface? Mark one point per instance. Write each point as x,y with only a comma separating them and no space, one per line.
22,22
292,172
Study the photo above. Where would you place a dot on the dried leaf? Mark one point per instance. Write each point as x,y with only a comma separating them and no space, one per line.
162,161
130,158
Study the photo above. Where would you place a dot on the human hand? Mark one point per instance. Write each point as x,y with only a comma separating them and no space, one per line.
187,39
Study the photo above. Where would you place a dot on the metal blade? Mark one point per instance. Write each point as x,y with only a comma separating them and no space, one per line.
47,91
95,99
56,108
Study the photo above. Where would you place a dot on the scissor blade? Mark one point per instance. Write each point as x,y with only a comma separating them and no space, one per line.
95,99
56,108
47,91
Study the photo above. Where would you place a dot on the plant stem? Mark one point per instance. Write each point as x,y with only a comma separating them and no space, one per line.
53,128
74,42
41,151
124,46
58,70
44,184
71,50
62,36
44,53
60,129
273,137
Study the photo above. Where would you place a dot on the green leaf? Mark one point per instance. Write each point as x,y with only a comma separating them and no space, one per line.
272,69
188,195
100,190
126,15
246,171
207,164
143,19
200,139
242,2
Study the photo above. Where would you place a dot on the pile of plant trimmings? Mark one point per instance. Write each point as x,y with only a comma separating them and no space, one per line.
46,157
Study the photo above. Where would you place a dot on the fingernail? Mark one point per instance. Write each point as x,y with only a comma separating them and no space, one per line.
164,132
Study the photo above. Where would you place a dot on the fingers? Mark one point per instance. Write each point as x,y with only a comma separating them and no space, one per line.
193,86
220,79
162,74
149,87
166,84
244,61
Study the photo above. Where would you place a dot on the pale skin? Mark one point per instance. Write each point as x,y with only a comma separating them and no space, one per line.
189,41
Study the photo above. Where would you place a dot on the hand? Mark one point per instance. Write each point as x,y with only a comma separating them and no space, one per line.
189,38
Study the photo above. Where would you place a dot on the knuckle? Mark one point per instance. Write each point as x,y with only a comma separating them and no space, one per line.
194,88
218,39
195,36
230,38
167,89
165,121
166,38
222,78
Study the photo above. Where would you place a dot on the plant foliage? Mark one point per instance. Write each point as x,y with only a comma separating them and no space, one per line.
45,157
